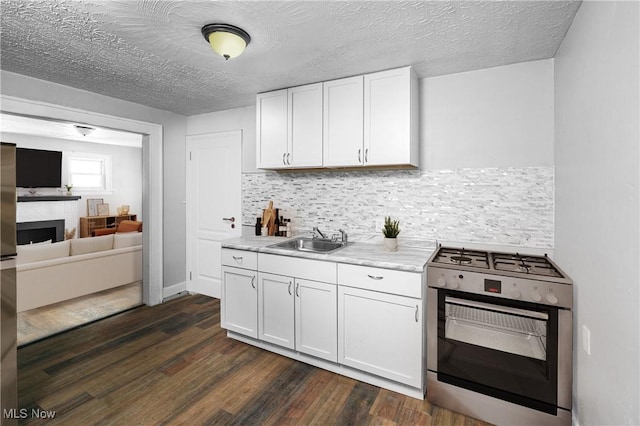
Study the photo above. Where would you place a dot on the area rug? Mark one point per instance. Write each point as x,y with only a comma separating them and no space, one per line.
39,323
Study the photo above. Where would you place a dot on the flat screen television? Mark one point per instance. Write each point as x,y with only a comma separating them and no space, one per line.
37,168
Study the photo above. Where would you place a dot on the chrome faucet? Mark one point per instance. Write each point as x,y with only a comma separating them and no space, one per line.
343,237
316,229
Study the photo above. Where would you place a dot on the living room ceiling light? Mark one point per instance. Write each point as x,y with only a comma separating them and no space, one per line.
83,130
226,40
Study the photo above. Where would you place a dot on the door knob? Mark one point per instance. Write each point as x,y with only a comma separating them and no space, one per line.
230,219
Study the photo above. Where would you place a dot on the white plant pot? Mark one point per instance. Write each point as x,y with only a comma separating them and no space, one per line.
390,244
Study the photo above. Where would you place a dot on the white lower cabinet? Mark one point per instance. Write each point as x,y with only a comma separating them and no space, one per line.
316,319
363,322
275,310
239,307
380,333
298,314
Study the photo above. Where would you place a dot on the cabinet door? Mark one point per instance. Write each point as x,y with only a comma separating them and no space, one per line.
271,129
316,309
275,310
381,334
305,126
343,121
387,117
239,304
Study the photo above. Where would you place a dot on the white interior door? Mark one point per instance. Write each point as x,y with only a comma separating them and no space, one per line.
214,168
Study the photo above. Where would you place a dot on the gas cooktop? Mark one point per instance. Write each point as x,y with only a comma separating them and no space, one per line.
510,264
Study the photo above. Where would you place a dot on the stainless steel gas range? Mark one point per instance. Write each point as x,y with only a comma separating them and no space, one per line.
499,336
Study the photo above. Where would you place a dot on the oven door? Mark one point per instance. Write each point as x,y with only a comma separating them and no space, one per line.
498,347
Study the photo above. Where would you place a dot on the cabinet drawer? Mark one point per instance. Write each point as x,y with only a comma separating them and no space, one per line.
379,279
240,258
308,269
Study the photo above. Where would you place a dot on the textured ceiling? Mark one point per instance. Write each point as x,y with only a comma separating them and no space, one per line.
151,51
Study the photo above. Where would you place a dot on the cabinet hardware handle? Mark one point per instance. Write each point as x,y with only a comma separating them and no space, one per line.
284,154
237,259
359,152
366,155
230,219
288,162
298,289
416,313
290,289
253,280
374,278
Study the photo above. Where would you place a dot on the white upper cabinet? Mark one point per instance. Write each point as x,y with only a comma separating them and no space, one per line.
305,126
289,128
343,122
390,118
367,120
271,129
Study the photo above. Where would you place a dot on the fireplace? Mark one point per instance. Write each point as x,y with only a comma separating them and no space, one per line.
39,231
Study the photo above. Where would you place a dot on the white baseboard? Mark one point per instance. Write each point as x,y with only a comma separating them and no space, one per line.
173,290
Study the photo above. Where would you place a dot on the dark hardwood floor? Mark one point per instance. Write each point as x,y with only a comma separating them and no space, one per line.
173,364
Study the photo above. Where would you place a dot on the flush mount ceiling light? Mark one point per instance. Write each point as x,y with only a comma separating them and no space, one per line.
83,130
226,40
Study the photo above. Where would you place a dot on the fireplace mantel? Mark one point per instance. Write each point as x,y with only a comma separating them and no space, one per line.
49,207
27,198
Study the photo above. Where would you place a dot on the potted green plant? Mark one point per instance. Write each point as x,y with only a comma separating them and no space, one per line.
68,188
390,231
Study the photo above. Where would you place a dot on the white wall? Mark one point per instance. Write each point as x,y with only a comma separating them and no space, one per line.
126,170
174,131
495,117
597,212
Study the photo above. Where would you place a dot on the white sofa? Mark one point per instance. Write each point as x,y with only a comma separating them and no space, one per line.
53,272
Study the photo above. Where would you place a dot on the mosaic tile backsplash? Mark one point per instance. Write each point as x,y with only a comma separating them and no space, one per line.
505,206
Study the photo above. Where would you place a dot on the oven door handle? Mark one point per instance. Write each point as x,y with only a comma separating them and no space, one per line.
497,308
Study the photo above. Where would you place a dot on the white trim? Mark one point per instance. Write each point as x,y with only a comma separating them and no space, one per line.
152,203
173,290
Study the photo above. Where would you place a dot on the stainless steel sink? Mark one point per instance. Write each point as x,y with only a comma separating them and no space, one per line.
310,245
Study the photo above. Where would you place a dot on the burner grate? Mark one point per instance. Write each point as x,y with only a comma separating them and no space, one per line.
531,265
462,257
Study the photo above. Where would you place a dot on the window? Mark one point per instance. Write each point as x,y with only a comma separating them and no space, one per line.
89,172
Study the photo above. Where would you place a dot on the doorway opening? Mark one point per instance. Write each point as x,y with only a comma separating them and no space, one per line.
65,220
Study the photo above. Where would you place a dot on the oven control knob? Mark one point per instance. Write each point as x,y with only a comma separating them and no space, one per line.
441,282
515,293
535,296
454,283
551,298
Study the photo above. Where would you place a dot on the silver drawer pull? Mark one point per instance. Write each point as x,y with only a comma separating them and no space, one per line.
237,259
290,294
253,280
416,313
374,278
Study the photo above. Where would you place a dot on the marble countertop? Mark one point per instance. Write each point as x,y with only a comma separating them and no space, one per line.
410,257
